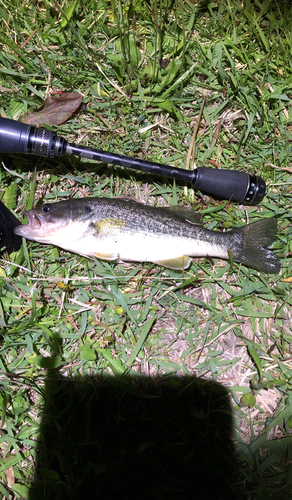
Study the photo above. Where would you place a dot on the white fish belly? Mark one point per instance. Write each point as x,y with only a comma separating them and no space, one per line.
150,248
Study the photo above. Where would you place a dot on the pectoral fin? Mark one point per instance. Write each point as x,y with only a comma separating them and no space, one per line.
181,262
109,226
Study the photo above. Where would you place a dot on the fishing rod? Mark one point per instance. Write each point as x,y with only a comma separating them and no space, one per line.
17,137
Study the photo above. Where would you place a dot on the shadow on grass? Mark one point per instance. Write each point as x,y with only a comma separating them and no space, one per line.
111,438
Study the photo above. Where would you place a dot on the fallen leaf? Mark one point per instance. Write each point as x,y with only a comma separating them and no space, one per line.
54,111
10,478
287,169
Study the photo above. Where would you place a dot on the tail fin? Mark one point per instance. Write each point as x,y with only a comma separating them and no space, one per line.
251,242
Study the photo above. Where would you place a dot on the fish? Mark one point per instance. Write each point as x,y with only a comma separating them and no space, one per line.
120,229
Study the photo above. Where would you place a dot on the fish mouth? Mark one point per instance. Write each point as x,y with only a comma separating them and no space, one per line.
34,222
32,228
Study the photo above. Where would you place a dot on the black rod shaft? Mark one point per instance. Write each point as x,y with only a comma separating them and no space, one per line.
130,162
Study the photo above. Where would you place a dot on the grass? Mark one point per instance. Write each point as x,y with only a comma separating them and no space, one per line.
144,69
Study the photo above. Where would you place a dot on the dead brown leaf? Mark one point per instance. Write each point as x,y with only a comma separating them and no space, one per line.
10,478
54,111
287,169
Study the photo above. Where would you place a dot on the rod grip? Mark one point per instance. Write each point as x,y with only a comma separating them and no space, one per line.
230,185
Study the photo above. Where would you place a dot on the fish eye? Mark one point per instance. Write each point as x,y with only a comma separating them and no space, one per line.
47,208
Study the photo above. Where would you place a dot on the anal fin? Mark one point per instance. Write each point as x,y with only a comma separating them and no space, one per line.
181,262
105,256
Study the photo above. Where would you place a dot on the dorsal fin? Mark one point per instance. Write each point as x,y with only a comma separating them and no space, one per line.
185,213
129,198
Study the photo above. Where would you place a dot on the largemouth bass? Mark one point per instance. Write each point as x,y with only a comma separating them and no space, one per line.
123,229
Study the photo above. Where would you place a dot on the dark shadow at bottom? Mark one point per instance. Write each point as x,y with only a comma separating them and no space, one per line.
111,438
